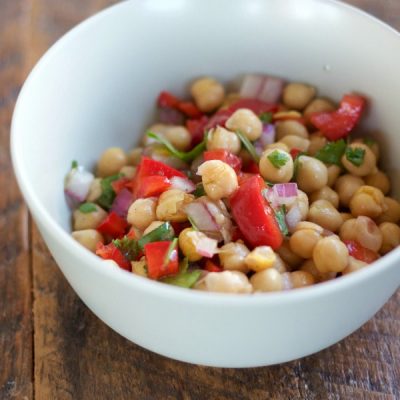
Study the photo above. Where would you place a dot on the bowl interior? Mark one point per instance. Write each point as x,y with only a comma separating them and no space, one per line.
97,87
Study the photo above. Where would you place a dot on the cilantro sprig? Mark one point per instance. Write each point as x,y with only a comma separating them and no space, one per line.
355,155
280,219
107,192
248,146
265,117
332,152
278,159
87,208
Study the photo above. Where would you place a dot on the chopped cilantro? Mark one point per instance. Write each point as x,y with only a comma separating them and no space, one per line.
278,159
280,218
265,117
355,155
107,192
129,247
199,190
74,164
171,249
296,164
87,208
332,152
184,278
163,232
248,146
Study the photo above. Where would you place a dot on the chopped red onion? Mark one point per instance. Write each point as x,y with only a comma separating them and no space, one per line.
183,184
220,214
122,202
271,197
268,134
262,87
293,217
251,86
202,218
167,115
76,185
285,192
206,247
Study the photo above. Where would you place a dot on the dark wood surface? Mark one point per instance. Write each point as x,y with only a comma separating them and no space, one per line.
53,347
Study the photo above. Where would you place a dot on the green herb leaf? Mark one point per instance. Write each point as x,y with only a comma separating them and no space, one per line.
74,164
280,218
265,117
129,247
248,146
296,165
164,232
87,208
186,157
355,155
171,249
199,190
369,142
107,192
278,159
184,278
332,152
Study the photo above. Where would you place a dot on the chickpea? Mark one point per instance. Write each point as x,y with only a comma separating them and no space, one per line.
111,161
312,174
152,226
290,128
364,231
296,142
309,225
135,155
88,238
262,257
326,193
179,137
227,282
303,241
276,165
317,142
353,266
245,121
298,95
142,213
188,240
330,255
286,114
310,267
219,179
318,105
232,256
221,138
391,211
171,205
128,171
367,201
379,180
90,220
346,186
277,145
94,190
279,264
139,267
230,99
207,93
390,236
301,279
345,216
323,213
267,280
365,163
333,174
288,256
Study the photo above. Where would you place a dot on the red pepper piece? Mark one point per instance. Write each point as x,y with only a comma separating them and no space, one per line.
157,265
294,153
111,252
224,155
251,167
255,105
243,176
212,267
237,234
360,252
119,184
113,225
196,127
189,109
219,118
153,186
254,216
180,226
338,124
166,99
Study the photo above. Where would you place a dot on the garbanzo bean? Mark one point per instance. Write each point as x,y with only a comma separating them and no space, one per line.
90,220
312,174
346,216
261,257
346,186
333,174
111,161
277,145
171,205
379,180
128,171
323,213
152,226
221,138
391,211
226,282
296,142
229,99
276,165
298,95
135,155
245,121
368,201
353,266
364,231
326,193
301,279
303,241
207,93
317,142
330,255
88,238
390,236
318,105
358,159
232,256
290,128
310,267
267,280
179,137
291,259
219,179
94,190
142,212
188,240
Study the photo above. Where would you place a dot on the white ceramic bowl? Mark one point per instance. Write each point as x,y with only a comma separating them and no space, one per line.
96,88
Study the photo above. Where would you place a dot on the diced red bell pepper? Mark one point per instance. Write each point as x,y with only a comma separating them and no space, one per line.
189,109
111,252
338,124
360,252
131,234
243,176
219,118
294,153
113,225
153,186
119,184
166,99
251,167
212,267
255,105
196,127
254,216
224,155
237,234
157,265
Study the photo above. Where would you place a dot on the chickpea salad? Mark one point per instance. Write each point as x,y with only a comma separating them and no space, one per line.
259,190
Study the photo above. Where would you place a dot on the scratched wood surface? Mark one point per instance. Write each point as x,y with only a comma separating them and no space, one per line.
53,347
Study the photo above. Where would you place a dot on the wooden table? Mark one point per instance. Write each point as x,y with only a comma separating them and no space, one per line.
53,347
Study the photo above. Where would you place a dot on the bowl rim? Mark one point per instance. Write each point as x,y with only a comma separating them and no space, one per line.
158,289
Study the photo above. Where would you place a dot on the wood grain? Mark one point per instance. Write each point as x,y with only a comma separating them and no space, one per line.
76,356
